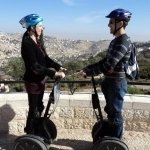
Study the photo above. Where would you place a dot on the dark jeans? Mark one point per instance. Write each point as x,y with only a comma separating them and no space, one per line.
114,91
35,110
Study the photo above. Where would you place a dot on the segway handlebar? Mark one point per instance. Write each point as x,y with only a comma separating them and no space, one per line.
96,102
52,97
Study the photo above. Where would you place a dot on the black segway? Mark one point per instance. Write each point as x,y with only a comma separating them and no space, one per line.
102,129
45,131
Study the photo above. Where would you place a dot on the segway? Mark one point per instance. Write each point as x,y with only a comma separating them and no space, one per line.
102,129
45,131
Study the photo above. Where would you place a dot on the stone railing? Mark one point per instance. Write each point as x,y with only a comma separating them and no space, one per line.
72,112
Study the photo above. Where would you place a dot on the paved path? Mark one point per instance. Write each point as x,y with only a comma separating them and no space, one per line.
81,140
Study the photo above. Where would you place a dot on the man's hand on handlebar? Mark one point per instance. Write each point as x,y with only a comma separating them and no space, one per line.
62,69
82,73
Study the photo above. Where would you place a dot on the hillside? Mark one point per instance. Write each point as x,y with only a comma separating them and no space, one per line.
61,50
67,51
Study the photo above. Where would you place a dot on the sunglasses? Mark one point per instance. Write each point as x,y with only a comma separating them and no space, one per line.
113,22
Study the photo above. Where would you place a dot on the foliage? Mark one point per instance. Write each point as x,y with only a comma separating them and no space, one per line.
15,68
77,65
144,66
134,90
16,87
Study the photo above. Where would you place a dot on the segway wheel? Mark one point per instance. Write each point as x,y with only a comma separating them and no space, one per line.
29,143
101,129
96,127
46,129
110,144
52,129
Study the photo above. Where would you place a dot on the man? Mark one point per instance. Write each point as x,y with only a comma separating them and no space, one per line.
114,85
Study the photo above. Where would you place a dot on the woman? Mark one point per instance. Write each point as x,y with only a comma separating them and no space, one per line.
37,64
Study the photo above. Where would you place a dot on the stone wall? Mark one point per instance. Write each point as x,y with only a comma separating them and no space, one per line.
72,112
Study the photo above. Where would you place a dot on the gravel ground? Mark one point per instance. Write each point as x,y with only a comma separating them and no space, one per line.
81,140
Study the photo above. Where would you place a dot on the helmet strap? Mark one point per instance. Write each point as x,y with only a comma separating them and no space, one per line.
116,30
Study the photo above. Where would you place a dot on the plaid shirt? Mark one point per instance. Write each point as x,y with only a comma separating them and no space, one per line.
113,64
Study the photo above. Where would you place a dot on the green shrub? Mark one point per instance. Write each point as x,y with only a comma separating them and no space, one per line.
134,90
17,87
15,68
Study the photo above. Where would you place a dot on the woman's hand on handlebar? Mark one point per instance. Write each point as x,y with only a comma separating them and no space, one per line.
59,75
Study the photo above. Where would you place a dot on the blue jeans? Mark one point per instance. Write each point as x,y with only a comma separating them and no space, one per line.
114,91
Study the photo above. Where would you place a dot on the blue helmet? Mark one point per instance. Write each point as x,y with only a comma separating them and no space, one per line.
120,14
30,20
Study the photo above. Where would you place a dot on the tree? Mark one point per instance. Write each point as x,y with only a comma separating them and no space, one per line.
15,68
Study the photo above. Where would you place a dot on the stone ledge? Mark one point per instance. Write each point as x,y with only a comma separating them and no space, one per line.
72,112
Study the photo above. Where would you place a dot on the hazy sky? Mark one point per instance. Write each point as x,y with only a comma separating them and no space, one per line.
77,19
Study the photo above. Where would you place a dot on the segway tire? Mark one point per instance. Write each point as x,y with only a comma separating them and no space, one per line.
46,129
101,129
110,143
96,126
29,142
